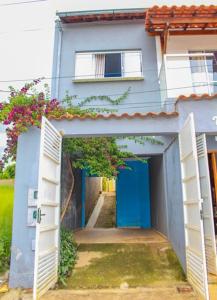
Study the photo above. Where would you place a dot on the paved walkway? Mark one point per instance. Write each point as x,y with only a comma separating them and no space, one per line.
118,235
118,294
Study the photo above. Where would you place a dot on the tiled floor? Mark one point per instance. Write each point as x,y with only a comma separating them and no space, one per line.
118,235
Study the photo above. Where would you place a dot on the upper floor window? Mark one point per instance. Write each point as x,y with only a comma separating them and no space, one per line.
204,71
93,65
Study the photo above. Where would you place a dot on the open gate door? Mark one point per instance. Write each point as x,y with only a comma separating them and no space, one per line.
208,220
48,210
194,236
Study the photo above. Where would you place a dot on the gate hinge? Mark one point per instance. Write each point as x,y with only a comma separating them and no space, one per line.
201,214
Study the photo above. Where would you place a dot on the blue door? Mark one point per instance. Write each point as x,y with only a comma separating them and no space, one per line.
133,198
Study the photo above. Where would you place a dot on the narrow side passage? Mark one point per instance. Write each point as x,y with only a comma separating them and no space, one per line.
107,216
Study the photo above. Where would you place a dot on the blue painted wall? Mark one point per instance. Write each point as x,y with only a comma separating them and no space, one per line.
104,36
132,196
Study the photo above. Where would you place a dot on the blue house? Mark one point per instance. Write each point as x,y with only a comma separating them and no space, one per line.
166,60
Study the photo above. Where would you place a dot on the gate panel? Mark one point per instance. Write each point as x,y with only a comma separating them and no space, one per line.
208,220
132,196
194,236
48,210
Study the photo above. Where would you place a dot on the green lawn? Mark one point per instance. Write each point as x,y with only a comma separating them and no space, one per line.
6,207
6,211
138,265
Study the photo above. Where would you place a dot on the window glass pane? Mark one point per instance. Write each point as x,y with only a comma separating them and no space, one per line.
132,64
199,73
197,64
211,62
113,65
84,66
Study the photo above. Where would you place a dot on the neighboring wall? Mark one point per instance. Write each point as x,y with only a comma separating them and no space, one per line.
93,187
174,201
211,142
122,35
72,218
157,189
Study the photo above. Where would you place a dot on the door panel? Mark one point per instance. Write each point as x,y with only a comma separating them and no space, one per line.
208,221
194,236
132,194
48,210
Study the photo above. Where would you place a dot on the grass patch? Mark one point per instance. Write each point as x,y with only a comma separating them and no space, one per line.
137,264
6,211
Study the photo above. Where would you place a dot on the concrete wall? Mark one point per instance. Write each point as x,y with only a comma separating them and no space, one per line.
104,36
22,255
93,187
211,141
174,201
158,199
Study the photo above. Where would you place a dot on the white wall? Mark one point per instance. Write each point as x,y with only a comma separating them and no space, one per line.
182,44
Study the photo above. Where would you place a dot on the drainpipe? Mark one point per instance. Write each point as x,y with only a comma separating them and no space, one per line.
60,31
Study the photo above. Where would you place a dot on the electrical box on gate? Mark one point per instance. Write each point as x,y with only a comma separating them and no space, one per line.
32,207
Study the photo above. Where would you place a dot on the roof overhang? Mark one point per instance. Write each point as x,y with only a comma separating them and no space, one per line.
182,20
101,15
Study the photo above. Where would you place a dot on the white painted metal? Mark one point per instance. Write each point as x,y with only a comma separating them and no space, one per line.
48,210
192,202
208,221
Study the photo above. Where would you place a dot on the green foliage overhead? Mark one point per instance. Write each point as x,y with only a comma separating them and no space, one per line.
100,156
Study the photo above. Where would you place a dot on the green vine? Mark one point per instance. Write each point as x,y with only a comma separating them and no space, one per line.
101,156
105,98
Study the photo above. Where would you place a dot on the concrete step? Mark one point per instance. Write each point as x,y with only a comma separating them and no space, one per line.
107,215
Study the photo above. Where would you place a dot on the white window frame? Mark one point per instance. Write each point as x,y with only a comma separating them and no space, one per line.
121,52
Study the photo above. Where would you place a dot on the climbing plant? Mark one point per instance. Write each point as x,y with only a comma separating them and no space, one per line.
25,107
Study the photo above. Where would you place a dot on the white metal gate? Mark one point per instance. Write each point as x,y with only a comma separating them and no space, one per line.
208,221
48,210
194,236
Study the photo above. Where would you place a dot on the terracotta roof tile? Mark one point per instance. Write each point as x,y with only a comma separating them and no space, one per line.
116,116
191,19
95,17
196,97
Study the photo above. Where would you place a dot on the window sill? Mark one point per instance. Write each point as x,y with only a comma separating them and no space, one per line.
108,79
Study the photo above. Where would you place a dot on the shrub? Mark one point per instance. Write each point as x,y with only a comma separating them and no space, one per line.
8,172
68,255
4,253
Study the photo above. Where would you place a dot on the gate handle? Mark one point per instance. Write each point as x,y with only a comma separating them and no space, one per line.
39,215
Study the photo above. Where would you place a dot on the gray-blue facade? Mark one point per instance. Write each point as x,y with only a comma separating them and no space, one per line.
144,96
